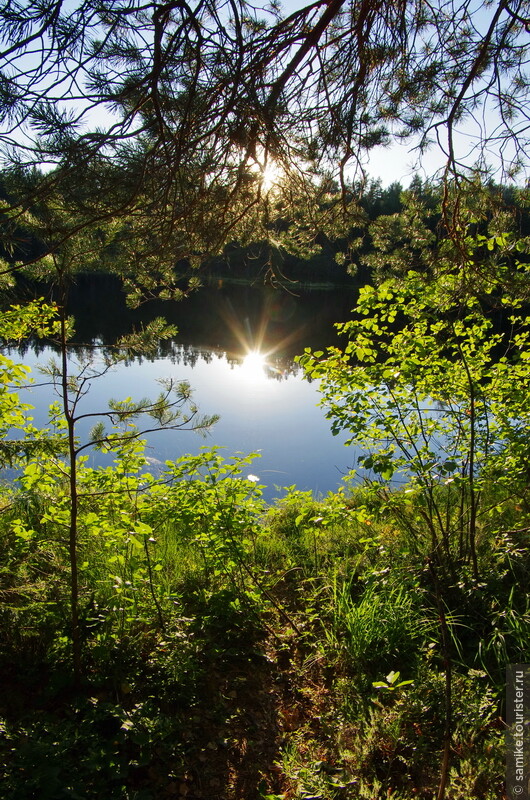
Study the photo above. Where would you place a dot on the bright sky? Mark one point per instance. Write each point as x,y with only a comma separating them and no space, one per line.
396,164
399,162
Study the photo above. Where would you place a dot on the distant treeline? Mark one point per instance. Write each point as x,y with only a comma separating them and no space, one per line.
252,262
389,219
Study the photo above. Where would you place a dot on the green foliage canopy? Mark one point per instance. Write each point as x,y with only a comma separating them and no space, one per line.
431,390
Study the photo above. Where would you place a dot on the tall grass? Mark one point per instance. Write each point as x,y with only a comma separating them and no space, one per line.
379,630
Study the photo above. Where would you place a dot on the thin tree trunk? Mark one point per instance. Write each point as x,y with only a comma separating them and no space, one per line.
72,533
448,727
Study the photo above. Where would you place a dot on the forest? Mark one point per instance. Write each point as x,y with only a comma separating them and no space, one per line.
170,634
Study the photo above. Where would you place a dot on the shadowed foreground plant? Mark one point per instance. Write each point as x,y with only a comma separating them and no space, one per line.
379,630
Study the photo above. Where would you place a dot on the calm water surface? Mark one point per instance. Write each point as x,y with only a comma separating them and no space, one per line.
264,407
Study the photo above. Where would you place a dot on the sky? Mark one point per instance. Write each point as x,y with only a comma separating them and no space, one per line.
399,162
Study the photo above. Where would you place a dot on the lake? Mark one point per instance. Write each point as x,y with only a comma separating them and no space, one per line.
263,401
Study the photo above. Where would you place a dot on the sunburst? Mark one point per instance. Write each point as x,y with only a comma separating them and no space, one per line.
253,366
268,172
270,175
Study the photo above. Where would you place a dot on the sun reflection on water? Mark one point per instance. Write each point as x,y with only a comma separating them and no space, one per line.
253,367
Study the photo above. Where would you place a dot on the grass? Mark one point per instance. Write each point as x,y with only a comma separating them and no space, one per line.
239,652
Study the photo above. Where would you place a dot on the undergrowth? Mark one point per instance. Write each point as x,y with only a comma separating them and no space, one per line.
234,650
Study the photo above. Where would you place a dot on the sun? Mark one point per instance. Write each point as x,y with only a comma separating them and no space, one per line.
270,175
268,172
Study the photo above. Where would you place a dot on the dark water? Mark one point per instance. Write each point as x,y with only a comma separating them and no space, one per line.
266,407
